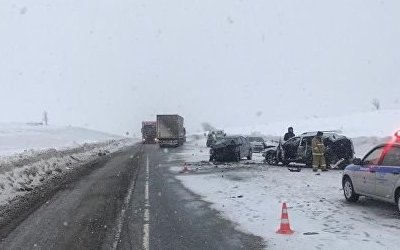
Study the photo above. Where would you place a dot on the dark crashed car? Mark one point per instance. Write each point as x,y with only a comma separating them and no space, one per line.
231,148
339,150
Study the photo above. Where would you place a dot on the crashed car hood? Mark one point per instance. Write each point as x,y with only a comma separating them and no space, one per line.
271,147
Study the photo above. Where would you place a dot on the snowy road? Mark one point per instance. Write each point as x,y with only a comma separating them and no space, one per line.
129,200
138,199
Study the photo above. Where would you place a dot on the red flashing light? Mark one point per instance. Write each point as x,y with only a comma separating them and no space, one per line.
397,134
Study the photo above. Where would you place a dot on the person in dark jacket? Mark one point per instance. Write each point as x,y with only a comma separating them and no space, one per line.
289,134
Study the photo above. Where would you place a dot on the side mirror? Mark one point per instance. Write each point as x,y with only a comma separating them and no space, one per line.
357,161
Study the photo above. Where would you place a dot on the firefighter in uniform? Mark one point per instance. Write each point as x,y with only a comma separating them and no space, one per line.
318,152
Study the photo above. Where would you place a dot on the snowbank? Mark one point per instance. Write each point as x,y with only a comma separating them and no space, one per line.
16,137
30,155
23,172
381,123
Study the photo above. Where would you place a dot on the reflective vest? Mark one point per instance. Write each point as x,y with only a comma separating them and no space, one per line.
318,147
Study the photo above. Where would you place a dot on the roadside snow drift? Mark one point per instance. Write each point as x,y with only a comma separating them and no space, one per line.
31,155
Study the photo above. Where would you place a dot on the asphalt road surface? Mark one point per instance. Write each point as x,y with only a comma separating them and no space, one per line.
129,201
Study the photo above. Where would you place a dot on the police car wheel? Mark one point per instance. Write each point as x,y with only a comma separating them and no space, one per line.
348,190
398,200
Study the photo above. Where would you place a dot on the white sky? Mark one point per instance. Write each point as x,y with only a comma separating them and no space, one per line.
110,64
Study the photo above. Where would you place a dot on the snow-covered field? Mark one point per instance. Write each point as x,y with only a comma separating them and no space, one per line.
30,155
373,124
251,196
18,137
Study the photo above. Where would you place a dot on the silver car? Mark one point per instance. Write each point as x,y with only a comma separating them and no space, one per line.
377,175
257,144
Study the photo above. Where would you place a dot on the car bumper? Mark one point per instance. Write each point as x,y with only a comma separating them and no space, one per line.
223,154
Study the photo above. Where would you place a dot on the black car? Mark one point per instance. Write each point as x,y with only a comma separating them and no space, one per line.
339,150
231,148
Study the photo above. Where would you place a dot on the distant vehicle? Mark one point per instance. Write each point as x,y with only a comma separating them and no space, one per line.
170,130
231,148
214,136
377,175
257,144
149,132
339,150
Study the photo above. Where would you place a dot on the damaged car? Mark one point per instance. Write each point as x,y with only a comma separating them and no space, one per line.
339,150
257,144
231,148
214,136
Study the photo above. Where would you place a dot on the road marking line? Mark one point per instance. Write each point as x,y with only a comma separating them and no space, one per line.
121,216
146,215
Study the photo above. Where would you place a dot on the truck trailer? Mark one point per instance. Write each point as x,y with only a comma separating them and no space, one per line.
170,130
149,132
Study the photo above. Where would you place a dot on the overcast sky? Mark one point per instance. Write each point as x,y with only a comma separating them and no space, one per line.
110,64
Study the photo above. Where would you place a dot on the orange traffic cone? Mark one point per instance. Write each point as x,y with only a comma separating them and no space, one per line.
285,226
184,169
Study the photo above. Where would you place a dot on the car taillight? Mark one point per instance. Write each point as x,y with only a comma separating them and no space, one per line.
397,134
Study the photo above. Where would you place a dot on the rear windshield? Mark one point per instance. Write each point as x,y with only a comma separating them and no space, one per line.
256,139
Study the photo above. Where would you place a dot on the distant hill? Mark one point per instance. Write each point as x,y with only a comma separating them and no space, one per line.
17,137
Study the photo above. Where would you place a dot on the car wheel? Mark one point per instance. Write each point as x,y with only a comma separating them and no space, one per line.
398,200
348,190
270,158
250,155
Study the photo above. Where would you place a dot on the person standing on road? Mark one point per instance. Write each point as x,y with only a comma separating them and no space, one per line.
318,152
289,134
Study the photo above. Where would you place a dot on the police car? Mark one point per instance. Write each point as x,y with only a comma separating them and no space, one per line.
377,175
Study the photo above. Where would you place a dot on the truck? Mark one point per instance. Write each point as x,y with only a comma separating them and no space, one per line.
170,130
149,132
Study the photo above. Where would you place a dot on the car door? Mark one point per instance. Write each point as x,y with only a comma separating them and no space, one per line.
388,173
364,179
248,146
301,150
245,146
304,149
290,147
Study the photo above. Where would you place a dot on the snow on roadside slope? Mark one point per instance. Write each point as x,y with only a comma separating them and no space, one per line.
53,151
381,123
251,197
17,181
18,137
